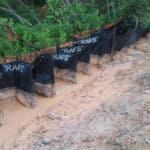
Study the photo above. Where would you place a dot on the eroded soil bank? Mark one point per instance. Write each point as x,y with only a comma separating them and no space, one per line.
107,110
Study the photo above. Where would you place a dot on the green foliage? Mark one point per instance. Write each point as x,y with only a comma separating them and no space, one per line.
59,20
116,9
18,11
62,22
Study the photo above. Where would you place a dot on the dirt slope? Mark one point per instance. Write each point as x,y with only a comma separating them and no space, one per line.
107,110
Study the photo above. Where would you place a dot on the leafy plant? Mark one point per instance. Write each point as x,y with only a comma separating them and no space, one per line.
117,9
57,21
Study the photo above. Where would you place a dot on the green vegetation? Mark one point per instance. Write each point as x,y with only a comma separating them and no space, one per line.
50,22
140,9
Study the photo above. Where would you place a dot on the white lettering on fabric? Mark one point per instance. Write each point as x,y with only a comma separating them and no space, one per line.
90,40
62,57
9,67
72,50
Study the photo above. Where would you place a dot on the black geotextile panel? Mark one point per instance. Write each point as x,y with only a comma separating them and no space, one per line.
85,56
43,69
6,76
123,31
63,60
124,26
121,41
16,74
87,45
104,43
128,37
136,33
24,80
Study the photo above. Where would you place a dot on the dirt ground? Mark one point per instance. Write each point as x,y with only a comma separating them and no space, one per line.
107,110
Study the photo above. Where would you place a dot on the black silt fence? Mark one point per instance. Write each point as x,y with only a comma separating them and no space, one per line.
43,69
16,74
87,45
104,43
127,32
136,33
64,60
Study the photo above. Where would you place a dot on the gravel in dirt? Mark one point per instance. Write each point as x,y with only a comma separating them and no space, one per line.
107,110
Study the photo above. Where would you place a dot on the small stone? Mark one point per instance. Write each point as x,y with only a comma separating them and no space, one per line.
57,139
147,140
146,91
54,116
45,141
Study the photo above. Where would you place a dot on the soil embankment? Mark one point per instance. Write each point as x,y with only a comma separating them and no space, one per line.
108,109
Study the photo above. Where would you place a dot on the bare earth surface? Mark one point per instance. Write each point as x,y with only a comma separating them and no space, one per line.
107,110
